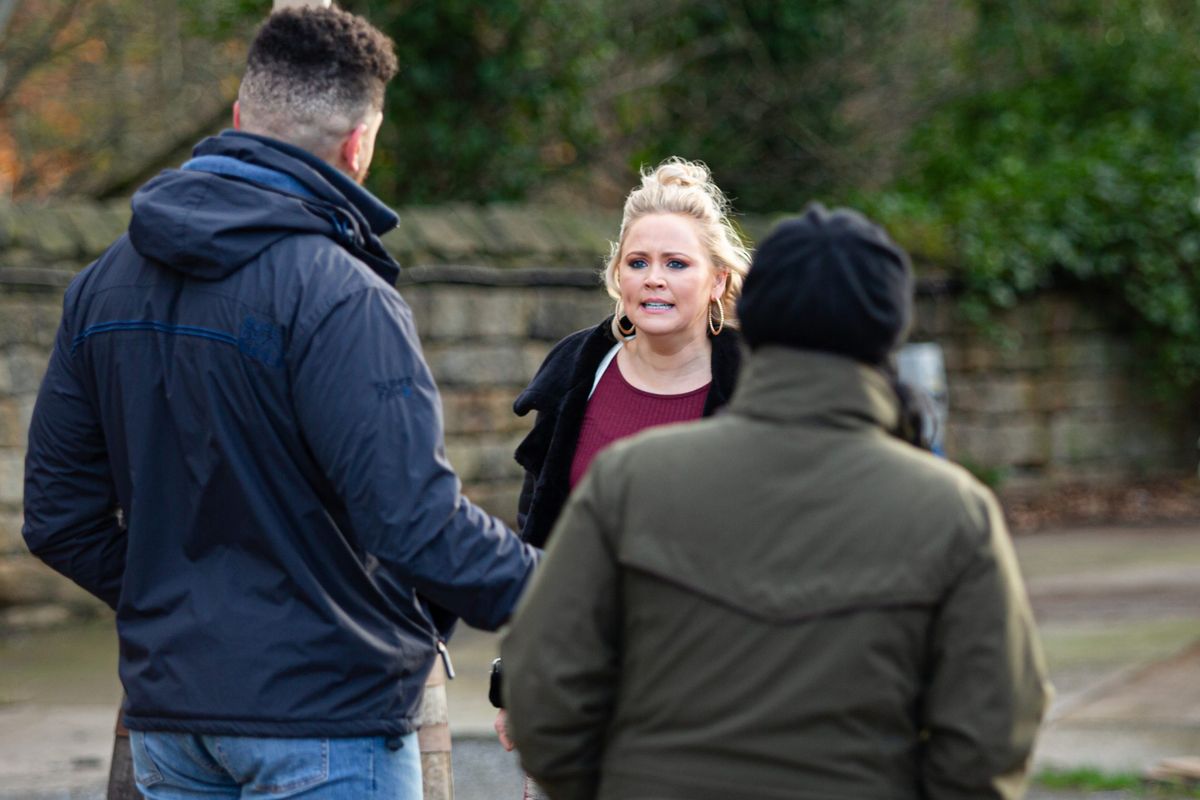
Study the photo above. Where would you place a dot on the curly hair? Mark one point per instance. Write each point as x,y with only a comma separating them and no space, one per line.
314,73
686,188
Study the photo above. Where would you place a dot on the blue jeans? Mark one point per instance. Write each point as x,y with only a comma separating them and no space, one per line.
175,766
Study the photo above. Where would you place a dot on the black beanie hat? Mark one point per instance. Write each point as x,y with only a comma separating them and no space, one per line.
830,281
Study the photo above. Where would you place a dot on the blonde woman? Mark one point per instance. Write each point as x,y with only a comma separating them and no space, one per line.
669,353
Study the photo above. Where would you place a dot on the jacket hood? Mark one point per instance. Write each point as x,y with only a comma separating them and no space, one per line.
785,384
209,221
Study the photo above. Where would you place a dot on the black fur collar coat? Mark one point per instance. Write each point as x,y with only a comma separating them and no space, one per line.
559,394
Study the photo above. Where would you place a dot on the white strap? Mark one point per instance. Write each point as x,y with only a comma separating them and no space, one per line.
603,366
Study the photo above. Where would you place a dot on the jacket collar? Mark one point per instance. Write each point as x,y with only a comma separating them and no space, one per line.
789,385
318,177
549,387
726,362
356,217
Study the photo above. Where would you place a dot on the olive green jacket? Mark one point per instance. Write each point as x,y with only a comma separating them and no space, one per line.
783,601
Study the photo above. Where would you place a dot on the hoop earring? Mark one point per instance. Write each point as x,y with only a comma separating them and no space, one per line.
632,328
721,325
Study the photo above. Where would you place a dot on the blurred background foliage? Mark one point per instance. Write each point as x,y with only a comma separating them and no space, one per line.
1067,156
1016,144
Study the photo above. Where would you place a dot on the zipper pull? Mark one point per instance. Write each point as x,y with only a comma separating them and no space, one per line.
445,654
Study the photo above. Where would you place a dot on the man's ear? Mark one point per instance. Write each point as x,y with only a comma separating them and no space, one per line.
237,115
351,149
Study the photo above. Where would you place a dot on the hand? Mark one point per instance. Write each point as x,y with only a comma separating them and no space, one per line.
501,726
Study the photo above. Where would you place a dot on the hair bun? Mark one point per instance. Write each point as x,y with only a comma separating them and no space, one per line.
676,171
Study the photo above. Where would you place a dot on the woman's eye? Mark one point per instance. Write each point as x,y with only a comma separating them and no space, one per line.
675,263
637,263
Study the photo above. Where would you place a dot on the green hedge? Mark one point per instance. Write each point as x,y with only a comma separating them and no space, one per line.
1070,158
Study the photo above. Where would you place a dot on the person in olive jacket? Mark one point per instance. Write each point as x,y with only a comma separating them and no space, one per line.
786,600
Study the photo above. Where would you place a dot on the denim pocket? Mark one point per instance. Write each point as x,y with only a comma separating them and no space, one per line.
145,771
273,768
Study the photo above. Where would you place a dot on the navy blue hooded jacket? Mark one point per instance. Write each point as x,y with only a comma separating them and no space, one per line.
238,446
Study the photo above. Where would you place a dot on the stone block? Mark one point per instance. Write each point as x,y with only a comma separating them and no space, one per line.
1063,314
557,312
479,459
933,318
498,499
459,312
1083,436
34,618
981,353
595,234
419,300
12,477
13,433
7,224
470,219
998,444
1092,353
409,244
954,357
472,411
500,364
11,520
1143,439
519,233
442,235
115,218
47,231
401,242
25,404
26,366
25,581
534,354
1088,392
93,228
29,320
584,236
563,228
986,394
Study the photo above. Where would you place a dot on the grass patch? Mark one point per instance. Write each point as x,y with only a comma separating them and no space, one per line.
1088,780
1093,780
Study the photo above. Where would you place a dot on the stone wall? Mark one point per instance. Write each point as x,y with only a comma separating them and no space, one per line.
1052,397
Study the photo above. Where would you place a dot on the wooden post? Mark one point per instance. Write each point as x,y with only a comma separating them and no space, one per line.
121,785
434,737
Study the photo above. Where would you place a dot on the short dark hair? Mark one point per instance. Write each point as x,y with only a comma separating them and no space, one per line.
312,70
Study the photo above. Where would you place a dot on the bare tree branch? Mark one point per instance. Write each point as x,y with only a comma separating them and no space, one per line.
40,51
662,70
7,7
107,187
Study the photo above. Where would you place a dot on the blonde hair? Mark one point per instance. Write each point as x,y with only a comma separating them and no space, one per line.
686,188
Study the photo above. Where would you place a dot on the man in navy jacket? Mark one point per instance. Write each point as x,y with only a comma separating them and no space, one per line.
238,446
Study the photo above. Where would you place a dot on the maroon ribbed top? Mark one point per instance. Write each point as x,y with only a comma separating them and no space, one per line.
617,410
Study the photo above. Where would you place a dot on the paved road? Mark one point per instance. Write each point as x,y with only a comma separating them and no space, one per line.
1118,609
